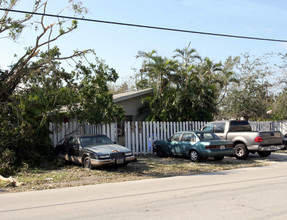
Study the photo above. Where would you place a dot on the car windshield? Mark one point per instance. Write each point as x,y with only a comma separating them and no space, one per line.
95,140
204,136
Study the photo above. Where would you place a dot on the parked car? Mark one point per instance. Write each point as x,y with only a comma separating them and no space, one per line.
93,151
195,145
245,140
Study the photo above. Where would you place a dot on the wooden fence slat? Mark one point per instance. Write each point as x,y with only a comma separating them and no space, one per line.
147,137
136,137
143,137
129,136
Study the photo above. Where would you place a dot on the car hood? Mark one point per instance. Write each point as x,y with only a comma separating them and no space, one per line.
107,149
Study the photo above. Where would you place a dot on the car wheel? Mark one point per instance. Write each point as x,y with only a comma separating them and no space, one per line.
218,158
241,151
194,156
159,152
87,163
264,153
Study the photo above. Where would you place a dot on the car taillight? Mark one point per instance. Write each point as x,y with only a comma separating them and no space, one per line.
212,147
230,145
258,139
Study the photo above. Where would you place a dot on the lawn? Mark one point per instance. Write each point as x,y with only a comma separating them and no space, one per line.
52,176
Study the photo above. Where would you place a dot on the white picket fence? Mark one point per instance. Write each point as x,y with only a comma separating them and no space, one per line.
139,136
59,131
269,126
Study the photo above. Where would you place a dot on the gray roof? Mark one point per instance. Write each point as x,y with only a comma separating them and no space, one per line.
128,95
118,97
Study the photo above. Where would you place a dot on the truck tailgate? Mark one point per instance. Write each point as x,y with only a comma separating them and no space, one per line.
271,137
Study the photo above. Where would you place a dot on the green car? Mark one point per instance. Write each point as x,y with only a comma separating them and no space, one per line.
195,145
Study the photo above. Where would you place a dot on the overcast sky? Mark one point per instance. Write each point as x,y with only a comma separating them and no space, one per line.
118,45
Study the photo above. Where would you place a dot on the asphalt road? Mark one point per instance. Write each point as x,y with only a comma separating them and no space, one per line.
249,193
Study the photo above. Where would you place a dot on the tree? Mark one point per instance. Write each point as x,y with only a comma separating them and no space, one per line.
45,85
249,97
125,86
158,71
279,107
95,99
197,99
184,89
188,56
29,61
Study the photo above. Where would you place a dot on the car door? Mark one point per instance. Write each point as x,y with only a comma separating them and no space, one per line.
71,148
187,141
219,130
77,150
174,144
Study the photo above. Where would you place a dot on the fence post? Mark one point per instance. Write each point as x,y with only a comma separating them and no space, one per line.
164,130
129,136
136,132
141,137
133,136
150,137
161,130
147,137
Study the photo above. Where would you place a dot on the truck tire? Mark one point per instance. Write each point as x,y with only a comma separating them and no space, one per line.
241,151
264,153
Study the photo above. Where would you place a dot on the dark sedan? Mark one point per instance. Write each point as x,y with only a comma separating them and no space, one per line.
95,150
195,145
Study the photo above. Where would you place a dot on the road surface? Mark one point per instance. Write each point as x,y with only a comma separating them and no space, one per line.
249,193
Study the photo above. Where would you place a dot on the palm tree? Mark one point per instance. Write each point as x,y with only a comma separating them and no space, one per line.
188,56
158,69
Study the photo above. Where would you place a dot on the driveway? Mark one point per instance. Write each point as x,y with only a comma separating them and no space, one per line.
249,193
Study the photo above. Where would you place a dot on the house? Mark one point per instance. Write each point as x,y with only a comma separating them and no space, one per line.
131,102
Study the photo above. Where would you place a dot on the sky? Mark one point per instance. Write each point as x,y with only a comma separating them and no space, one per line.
119,45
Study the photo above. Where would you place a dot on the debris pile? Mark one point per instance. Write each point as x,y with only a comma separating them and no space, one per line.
11,181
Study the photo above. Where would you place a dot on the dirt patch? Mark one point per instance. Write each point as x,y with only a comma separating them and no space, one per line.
146,167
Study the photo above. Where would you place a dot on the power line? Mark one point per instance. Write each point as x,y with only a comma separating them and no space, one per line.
146,26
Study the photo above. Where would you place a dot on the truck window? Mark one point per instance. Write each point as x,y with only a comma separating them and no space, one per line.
208,127
219,128
236,126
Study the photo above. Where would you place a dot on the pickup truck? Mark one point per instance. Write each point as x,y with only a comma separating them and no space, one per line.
245,140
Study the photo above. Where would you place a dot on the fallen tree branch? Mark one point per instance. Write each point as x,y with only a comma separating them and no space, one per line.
11,181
